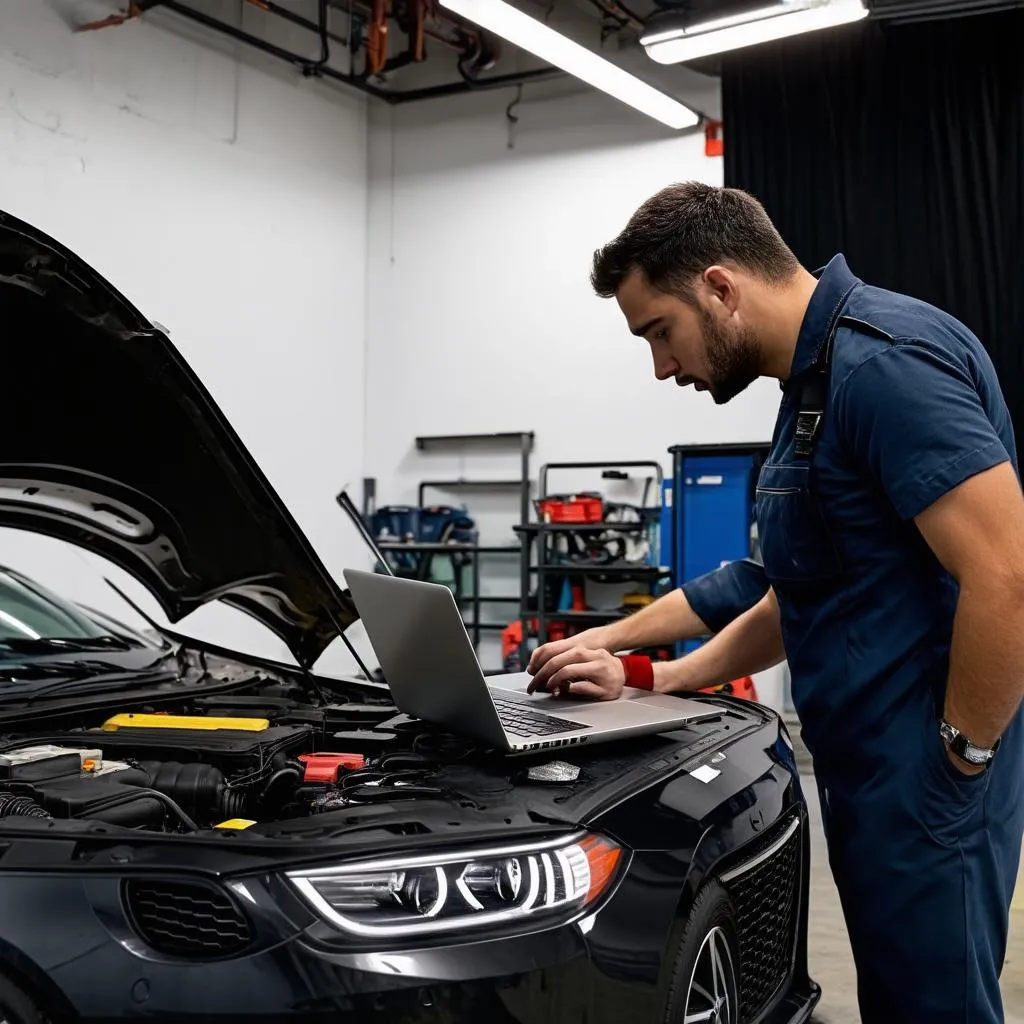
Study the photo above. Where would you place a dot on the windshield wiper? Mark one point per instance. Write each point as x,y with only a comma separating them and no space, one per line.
41,666
89,684
57,644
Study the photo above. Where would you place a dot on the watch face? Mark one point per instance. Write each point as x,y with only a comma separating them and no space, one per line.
963,748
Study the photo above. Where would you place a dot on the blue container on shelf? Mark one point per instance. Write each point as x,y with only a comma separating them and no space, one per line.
430,524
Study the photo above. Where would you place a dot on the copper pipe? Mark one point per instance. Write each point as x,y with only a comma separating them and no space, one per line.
113,20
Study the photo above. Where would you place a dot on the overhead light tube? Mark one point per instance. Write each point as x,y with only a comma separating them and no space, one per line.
765,24
553,47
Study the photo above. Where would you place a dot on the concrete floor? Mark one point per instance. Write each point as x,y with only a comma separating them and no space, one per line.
831,963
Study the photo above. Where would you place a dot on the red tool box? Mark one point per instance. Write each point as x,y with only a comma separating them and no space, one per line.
586,507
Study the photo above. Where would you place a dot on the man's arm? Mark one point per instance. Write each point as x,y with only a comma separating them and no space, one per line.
724,594
750,643
977,532
665,620
701,606
670,618
912,415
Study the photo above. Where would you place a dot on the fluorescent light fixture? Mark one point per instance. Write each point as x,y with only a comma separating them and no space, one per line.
532,35
776,21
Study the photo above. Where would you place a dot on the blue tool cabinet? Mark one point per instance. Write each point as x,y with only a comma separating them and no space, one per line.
710,508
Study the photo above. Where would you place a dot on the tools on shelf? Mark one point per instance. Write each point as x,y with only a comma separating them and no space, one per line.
584,538
442,542
586,557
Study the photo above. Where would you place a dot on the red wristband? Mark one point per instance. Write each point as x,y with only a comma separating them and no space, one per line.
639,671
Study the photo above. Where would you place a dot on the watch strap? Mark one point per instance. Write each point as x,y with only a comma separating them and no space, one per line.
968,752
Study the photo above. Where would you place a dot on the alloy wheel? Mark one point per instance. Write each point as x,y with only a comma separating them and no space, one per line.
711,996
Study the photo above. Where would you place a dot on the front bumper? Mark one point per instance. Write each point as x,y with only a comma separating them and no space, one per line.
77,954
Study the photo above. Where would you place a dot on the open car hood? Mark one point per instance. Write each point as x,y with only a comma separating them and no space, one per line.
111,442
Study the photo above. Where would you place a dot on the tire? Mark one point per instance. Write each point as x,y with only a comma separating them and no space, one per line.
16,1007
704,983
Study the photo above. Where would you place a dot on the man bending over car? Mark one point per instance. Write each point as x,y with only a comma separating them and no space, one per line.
891,524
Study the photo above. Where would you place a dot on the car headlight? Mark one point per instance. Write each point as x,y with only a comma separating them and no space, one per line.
414,895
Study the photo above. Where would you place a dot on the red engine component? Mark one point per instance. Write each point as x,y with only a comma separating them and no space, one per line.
325,767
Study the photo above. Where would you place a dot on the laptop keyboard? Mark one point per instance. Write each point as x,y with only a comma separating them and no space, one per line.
520,722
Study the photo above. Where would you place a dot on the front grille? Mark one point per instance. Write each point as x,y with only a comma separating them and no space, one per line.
764,889
187,919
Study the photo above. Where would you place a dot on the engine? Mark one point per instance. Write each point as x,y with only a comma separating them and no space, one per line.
227,763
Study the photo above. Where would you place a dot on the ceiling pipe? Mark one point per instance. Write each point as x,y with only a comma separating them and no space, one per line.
134,10
621,13
467,85
303,63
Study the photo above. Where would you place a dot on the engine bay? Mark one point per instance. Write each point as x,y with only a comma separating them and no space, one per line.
276,751
267,751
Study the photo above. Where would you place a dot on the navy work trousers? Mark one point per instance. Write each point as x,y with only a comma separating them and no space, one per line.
925,860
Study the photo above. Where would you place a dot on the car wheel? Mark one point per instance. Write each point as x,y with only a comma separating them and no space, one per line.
16,1007
704,987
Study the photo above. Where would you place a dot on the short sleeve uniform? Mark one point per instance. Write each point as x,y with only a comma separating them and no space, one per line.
913,408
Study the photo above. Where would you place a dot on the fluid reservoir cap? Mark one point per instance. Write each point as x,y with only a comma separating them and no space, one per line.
236,823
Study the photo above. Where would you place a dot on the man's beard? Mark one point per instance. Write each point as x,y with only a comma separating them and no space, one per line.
732,357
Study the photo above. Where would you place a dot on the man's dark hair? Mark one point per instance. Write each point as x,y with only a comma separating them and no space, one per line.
684,229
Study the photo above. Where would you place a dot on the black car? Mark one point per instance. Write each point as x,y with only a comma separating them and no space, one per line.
187,832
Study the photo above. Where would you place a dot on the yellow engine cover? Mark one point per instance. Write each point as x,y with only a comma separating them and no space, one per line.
130,721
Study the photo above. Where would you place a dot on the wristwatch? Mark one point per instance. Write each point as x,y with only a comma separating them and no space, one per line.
967,751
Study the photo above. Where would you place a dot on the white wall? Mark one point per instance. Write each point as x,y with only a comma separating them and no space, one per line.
480,315
227,199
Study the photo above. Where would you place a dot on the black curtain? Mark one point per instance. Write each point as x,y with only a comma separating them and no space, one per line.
901,146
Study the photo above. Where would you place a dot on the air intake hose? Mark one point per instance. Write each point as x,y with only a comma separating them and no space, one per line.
12,806
200,787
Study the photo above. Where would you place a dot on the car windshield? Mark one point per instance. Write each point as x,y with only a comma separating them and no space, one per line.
33,617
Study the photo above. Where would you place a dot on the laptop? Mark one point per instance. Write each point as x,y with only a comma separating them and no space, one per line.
421,642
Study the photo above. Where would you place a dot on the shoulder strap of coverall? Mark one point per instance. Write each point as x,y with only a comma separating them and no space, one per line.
814,387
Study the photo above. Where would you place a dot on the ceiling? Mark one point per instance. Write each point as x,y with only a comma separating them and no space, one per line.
409,50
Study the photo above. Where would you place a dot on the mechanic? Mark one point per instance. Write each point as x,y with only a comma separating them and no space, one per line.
891,525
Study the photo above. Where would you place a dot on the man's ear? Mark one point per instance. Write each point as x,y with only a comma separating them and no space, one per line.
720,283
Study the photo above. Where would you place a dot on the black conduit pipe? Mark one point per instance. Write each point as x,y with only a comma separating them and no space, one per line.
303,63
275,51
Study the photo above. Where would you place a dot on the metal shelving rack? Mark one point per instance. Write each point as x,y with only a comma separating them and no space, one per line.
522,438
544,566
523,442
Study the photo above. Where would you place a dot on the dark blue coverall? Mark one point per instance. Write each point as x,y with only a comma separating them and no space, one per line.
924,856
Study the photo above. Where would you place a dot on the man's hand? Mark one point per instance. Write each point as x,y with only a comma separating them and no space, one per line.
664,621
594,639
581,672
